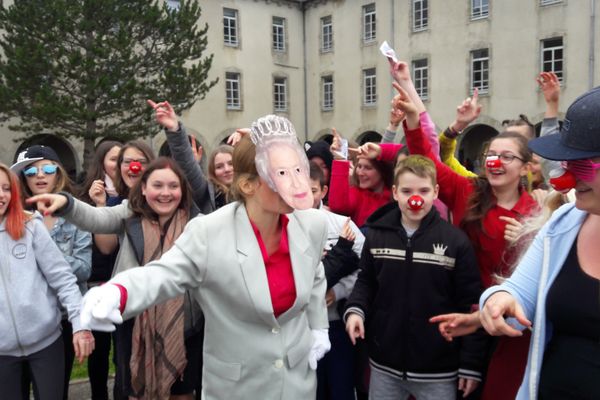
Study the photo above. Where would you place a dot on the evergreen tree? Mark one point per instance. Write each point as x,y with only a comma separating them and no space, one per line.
84,68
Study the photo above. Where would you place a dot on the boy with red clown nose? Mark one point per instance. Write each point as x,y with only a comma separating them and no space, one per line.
415,265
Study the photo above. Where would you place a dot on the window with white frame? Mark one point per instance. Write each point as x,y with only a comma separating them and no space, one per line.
280,94
230,27
548,2
233,91
552,56
369,87
326,34
369,23
420,14
420,70
480,70
279,34
480,9
173,4
327,90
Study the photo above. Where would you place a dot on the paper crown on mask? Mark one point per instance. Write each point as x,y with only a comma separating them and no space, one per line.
271,126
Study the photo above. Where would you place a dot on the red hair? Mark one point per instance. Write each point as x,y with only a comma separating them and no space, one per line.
15,214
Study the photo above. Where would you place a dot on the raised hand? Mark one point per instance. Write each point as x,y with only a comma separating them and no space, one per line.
399,71
550,86
97,193
404,103
236,136
467,112
336,145
165,115
369,150
498,306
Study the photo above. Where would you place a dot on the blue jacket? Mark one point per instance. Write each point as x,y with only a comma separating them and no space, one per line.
76,246
532,279
34,279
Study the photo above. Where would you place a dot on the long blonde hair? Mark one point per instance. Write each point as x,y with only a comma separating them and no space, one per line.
222,149
531,226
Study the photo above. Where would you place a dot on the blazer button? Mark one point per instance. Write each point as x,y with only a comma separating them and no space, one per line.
278,364
275,331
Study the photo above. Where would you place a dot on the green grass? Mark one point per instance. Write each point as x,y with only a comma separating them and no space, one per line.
80,371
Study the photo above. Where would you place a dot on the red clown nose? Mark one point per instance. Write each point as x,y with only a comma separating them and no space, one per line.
135,167
493,162
562,180
415,202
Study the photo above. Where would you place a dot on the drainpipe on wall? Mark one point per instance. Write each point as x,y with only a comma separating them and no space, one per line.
305,73
591,61
592,43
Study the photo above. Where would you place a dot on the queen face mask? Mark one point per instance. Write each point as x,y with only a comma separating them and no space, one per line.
281,161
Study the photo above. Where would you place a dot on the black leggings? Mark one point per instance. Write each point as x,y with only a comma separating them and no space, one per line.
46,367
98,365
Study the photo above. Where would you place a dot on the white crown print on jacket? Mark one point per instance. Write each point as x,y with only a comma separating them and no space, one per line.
439,249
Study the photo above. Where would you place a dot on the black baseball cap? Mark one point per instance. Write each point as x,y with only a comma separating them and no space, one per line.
32,154
579,136
319,148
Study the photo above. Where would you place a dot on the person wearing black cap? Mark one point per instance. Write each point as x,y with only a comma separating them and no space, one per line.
555,288
319,153
40,171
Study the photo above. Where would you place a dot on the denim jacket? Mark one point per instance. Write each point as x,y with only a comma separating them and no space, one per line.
76,247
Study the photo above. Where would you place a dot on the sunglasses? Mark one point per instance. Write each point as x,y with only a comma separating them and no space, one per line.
584,170
48,169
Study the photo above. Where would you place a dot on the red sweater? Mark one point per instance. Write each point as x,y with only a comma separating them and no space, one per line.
490,246
355,202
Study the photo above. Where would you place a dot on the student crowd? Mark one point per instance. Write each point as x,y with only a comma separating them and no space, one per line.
327,271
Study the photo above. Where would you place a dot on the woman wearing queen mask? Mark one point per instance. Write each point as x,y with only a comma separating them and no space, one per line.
254,266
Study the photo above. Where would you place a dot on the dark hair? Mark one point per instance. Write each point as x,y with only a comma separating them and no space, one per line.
96,170
139,145
137,201
482,199
385,170
244,167
316,174
165,150
221,149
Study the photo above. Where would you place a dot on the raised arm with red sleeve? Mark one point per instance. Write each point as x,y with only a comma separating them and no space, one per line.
454,189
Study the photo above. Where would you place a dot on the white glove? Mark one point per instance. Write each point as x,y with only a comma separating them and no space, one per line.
321,345
100,308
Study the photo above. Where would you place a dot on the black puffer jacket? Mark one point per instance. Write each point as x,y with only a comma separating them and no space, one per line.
403,282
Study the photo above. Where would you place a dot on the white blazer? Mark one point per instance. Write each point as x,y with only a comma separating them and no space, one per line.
248,353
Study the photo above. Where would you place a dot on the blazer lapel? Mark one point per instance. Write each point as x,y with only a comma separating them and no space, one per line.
253,267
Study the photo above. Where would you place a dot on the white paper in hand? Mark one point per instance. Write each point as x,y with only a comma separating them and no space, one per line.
387,51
